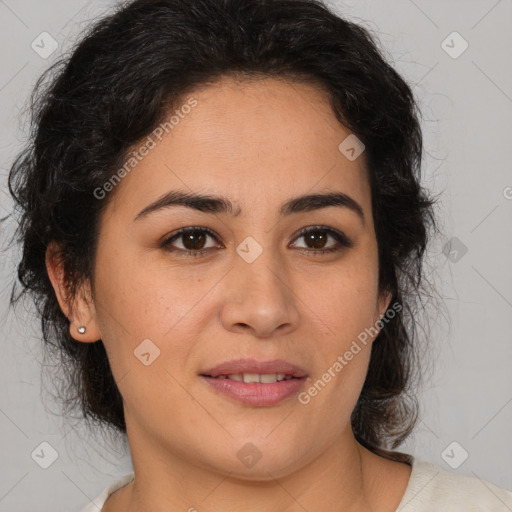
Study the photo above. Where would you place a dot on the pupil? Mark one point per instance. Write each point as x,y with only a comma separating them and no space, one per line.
316,239
189,240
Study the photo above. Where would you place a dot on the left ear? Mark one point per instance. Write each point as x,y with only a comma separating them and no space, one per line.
383,304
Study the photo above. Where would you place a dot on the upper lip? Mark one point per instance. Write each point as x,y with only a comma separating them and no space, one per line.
253,366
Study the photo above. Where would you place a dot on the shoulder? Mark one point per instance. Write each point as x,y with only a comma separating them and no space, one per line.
97,504
431,487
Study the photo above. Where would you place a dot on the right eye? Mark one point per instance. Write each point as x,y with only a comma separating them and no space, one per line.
192,239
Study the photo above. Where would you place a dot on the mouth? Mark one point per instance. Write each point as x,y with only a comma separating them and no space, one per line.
255,383
252,369
253,378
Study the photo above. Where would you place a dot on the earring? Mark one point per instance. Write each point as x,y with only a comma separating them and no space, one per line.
81,330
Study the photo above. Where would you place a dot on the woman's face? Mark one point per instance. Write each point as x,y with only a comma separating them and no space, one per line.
259,290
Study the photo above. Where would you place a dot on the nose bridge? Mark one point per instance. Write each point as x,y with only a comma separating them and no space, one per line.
260,293
260,265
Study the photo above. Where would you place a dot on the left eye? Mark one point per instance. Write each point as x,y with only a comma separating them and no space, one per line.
194,238
318,235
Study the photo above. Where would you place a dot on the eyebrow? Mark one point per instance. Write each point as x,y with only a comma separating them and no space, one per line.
218,204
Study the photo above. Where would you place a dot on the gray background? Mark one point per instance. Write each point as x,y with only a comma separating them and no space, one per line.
467,106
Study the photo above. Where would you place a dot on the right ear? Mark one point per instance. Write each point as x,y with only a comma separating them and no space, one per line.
80,311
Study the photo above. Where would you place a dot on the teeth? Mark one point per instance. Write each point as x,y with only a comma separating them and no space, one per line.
269,378
251,377
265,378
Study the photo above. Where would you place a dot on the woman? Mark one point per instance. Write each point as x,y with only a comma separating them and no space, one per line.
223,229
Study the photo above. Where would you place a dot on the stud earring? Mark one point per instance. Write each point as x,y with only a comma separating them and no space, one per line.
81,330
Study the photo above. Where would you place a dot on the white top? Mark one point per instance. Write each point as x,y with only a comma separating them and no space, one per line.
431,488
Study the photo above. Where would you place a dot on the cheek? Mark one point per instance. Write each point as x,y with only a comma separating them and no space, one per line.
342,351
344,314
150,326
137,303
346,304
146,298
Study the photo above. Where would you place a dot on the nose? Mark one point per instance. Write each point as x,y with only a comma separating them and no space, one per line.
259,298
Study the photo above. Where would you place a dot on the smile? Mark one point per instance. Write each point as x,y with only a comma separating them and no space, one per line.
255,390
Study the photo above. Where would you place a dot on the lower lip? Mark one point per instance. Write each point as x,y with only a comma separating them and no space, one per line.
256,394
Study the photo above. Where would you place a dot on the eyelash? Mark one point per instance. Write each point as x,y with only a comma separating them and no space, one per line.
340,237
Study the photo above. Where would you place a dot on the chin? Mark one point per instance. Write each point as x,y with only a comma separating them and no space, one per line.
256,459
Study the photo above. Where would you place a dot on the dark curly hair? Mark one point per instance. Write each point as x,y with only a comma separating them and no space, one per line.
120,81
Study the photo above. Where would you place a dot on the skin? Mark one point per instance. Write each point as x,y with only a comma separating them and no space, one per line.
259,143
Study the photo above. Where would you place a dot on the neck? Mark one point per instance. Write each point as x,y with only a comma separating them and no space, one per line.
338,479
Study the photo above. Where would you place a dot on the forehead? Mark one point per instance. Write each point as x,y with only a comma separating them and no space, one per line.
262,139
